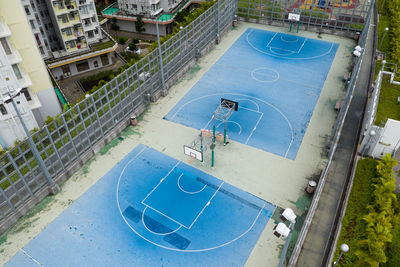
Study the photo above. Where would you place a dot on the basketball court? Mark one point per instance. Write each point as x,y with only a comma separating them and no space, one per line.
151,204
141,202
275,77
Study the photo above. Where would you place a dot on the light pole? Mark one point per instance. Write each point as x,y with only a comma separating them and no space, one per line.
164,91
383,37
286,246
53,187
343,248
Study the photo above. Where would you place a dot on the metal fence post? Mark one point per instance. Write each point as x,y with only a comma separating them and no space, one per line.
19,173
97,115
53,145
70,137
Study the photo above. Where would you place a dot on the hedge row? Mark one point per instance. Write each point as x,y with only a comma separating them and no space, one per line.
392,9
371,214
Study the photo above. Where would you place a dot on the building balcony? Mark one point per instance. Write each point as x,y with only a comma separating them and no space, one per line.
89,26
25,81
79,46
4,30
65,8
69,23
14,57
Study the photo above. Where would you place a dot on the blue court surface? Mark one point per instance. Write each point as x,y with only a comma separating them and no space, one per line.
276,78
152,210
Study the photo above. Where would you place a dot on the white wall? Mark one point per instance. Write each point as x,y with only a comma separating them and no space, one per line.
387,140
57,72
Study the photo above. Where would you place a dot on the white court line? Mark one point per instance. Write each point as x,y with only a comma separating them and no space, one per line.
243,95
166,216
273,37
255,48
187,192
255,127
254,102
162,179
144,224
301,47
249,109
205,206
30,257
180,250
280,54
297,39
238,124
261,74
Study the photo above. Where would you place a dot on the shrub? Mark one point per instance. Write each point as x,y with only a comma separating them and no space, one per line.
121,40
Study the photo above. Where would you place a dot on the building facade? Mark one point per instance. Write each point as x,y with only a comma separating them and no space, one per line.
22,70
67,33
126,13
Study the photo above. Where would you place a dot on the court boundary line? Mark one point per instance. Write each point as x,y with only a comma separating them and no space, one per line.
263,52
243,95
174,249
174,220
144,224
255,127
283,40
162,179
187,192
31,258
293,52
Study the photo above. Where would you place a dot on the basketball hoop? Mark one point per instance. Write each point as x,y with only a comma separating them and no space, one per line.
294,18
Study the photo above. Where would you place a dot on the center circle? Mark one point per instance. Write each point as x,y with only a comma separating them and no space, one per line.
265,75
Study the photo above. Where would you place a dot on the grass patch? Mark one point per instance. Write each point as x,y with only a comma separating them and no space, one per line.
3,239
353,226
387,105
101,46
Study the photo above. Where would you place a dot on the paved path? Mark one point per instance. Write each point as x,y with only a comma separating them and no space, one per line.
313,250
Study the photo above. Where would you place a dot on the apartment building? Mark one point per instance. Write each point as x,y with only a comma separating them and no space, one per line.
126,13
68,35
23,74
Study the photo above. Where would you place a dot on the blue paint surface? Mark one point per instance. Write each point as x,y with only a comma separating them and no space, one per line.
111,226
276,78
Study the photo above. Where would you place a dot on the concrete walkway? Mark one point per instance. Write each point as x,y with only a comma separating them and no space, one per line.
319,235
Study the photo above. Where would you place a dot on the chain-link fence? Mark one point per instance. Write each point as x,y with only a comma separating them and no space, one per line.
337,130
76,135
336,16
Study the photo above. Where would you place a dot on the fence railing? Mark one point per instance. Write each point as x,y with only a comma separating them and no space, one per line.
68,139
343,16
337,130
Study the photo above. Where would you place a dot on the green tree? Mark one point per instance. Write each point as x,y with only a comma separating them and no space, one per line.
139,25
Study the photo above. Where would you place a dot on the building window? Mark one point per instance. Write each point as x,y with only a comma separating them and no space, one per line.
3,109
41,50
70,44
26,94
82,66
68,31
17,72
90,34
27,11
5,45
32,22
96,64
104,59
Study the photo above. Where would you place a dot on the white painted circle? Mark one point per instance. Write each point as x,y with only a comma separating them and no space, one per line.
265,75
